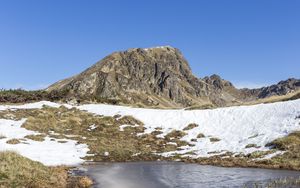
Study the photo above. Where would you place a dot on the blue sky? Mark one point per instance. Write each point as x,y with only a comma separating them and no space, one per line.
249,42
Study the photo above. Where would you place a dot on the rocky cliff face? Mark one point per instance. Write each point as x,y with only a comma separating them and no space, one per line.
157,76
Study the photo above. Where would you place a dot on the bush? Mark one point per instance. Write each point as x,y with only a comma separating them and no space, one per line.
23,96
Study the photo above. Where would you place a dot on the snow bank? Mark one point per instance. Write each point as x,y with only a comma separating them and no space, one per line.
48,152
36,105
235,126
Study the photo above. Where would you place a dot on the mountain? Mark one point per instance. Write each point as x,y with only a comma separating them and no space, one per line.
158,76
282,88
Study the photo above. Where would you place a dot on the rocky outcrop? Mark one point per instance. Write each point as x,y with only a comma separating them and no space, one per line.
157,76
281,88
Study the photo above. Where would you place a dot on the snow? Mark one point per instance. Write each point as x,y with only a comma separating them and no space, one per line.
49,152
122,127
37,105
269,156
92,127
235,126
159,47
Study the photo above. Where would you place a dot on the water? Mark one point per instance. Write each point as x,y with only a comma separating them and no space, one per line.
177,175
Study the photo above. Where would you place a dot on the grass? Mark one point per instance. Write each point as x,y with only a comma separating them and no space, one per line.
201,107
126,145
214,139
291,145
38,137
254,136
284,182
290,182
251,146
18,171
107,137
290,159
2,136
200,135
190,126
290,96
23,96
13,141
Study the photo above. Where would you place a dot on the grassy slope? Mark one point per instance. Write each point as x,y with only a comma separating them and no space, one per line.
105,137
291,145
17,171
127,146
290,96
23,96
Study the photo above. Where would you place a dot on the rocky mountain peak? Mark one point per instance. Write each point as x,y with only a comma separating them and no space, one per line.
158,76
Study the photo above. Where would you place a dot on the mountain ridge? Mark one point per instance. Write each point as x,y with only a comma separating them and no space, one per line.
158,76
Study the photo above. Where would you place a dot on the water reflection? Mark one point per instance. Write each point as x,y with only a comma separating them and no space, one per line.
179,175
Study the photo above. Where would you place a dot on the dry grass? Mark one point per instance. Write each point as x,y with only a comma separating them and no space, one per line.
106,137
13,141
2,136
289,160
251,146
190,126
284,182
291,145
127,146
36,137
79,182
17,171
214,139
290,96
200,135
202,107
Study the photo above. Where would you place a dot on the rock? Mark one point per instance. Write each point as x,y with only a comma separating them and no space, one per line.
157,77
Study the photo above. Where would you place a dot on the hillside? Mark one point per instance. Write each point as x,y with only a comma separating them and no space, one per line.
158,77
263,135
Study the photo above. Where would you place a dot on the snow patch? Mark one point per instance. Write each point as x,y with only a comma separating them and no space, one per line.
49,152
124,126
236,126
92,127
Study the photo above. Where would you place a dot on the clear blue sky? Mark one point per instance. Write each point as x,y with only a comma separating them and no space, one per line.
249,42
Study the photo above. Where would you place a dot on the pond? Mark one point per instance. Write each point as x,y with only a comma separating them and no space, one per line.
179,175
